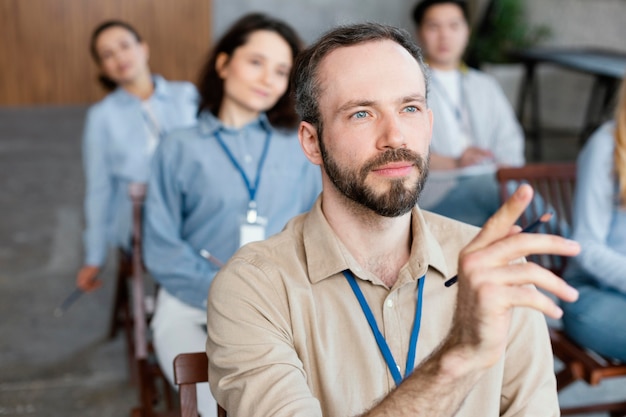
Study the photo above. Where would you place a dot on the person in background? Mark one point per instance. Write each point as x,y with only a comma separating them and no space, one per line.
475,129
599,224
120,135
345,312
237,177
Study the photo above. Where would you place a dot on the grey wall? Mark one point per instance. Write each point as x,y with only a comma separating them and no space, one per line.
574,23
312,17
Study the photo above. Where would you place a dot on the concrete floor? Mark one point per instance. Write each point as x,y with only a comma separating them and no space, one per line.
65,366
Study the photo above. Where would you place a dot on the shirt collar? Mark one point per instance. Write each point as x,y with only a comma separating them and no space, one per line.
209,124
327,256
161,91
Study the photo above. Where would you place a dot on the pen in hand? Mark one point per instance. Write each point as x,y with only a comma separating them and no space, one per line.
69,300
544,218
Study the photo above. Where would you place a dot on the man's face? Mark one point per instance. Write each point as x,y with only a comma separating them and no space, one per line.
443,35
376,126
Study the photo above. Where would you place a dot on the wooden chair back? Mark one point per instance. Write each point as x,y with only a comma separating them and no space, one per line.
152,384
190,369
555,183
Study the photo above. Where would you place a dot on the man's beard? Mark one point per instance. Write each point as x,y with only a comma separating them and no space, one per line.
398,200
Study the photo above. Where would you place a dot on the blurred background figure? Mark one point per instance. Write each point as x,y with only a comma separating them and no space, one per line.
120,135
599,272
238,176
475,129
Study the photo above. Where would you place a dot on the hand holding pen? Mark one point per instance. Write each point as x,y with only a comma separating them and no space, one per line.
544,218
492,285
86,281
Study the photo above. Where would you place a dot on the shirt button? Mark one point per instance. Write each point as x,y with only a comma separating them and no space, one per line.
389,303
247,159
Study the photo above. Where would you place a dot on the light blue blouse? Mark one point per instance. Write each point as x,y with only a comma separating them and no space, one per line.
197,199
599,221
116,151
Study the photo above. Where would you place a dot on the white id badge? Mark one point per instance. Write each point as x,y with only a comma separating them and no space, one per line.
251,232
253,226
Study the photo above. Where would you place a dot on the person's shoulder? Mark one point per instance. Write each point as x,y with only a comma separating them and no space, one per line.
182,87
276,255
601,142
107,103
107,108
182,135
479,77
604,135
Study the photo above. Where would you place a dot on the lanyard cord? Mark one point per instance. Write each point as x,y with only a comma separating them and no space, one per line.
457,110
380,339
462,117
252,189
151,121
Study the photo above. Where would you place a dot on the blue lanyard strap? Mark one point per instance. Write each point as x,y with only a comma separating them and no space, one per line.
252,189
380,339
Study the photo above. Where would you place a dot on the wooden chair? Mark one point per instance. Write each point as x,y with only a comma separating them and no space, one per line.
152,384
554,191
121,314
190,369
555,183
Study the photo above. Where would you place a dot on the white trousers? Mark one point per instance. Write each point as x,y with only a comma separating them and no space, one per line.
180,328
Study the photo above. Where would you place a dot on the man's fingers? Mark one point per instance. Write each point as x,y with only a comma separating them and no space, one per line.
499,225
528,296
525,274
517,246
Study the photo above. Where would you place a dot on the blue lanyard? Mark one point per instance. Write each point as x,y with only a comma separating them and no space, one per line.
380,339
252,189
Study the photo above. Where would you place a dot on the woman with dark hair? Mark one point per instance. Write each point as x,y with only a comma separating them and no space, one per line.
236,177
121,132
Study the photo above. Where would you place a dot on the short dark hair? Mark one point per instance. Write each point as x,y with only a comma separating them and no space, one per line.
105,81
211,85
305,80
420,9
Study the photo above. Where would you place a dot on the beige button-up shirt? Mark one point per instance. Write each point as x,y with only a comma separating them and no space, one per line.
287,337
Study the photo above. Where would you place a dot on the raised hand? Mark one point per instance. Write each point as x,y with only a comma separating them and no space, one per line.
493,280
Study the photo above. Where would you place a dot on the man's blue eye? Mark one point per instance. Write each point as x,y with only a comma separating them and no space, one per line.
411,109
360,114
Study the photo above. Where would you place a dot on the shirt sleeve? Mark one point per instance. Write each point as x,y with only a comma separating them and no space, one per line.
99,187
529,383
594,205
169,258
254,368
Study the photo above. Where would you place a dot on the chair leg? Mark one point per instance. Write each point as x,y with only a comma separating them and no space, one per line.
571,373
121,314
120,296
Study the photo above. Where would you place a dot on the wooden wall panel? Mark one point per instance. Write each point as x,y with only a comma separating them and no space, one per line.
44,44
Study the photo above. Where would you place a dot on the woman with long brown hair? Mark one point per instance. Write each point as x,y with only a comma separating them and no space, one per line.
238,176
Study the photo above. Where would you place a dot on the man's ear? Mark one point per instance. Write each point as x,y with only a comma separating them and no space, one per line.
307,134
